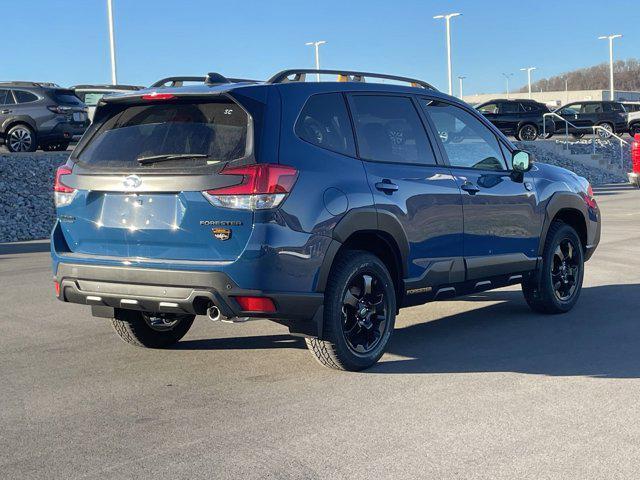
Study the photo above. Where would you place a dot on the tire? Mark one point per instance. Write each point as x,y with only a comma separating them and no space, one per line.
634,129
577,136
137,328
528,132
21,138
603,135
357,325
557,288
55,147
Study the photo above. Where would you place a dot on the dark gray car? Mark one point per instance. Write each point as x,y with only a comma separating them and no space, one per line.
39,115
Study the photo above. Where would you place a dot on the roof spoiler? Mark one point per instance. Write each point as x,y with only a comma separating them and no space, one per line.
211,78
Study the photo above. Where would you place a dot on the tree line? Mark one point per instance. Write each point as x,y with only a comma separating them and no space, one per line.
627,78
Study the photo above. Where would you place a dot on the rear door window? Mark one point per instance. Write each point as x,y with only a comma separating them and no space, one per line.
324,122
509,107
591,108
214,131
389,129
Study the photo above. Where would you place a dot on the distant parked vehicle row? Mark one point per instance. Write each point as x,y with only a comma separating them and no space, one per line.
524,119
41,115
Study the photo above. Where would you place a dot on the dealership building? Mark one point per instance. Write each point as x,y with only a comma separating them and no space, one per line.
557,98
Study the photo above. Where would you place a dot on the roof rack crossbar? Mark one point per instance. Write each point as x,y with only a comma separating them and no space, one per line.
345,75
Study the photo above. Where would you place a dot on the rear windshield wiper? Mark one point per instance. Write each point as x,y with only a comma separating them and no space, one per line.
168,156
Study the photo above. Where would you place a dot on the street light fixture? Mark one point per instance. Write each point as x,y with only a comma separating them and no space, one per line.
448,18
461,78
507,76
611,38
529,70
316,45
112,43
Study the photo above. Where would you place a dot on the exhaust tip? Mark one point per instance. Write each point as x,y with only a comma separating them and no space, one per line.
213,313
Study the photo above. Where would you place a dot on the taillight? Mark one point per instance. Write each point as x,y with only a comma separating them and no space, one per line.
635,154
262,186
256,304
589,198
63,194
59,109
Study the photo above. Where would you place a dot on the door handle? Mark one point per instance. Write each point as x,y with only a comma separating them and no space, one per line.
4,112
387,186
470,188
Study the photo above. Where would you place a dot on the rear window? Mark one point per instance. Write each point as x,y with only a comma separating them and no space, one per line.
217,130
66,97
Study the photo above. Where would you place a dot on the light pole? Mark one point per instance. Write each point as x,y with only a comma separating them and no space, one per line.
507,76
317,47
461,78
112,43
448,18
529,70
610,38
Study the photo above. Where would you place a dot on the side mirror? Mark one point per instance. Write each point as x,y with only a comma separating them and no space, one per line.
522,161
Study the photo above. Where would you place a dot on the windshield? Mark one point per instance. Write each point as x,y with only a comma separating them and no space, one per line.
210,131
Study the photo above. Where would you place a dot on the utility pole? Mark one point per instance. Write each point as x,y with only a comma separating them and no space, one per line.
461,78
611,38
507,76
112,43
317,48
529,70
448,18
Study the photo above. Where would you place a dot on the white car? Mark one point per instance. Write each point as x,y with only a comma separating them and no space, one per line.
633,123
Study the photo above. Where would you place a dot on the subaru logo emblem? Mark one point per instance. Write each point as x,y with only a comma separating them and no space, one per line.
132,181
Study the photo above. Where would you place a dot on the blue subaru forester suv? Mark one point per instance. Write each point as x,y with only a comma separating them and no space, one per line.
323,206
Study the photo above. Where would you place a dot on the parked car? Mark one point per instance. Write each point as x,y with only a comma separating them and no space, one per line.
633,123
91,94
611,116
41,115
634,175
324,206
632,106
523,119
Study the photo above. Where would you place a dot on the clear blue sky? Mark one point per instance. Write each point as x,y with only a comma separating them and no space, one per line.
66,41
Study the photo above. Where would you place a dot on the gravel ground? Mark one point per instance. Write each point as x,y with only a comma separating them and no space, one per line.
26,179
26,197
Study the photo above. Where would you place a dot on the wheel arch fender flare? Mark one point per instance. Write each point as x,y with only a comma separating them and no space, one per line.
558,202
364,220
15,119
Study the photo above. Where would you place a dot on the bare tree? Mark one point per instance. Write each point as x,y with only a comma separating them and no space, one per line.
627,73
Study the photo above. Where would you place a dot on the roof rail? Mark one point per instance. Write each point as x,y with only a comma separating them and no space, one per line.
209,79
299,75
105,86
29,84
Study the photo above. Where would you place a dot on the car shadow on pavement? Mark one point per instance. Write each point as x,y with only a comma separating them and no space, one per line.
598,338
16,248
242,343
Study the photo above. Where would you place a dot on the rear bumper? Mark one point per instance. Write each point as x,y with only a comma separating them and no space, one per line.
106,288
63,132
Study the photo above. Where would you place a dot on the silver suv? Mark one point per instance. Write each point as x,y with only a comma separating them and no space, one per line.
39,115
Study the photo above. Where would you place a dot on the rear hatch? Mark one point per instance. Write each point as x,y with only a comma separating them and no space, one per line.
139,175
68,103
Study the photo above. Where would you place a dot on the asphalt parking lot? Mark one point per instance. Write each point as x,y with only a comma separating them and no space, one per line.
478,387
